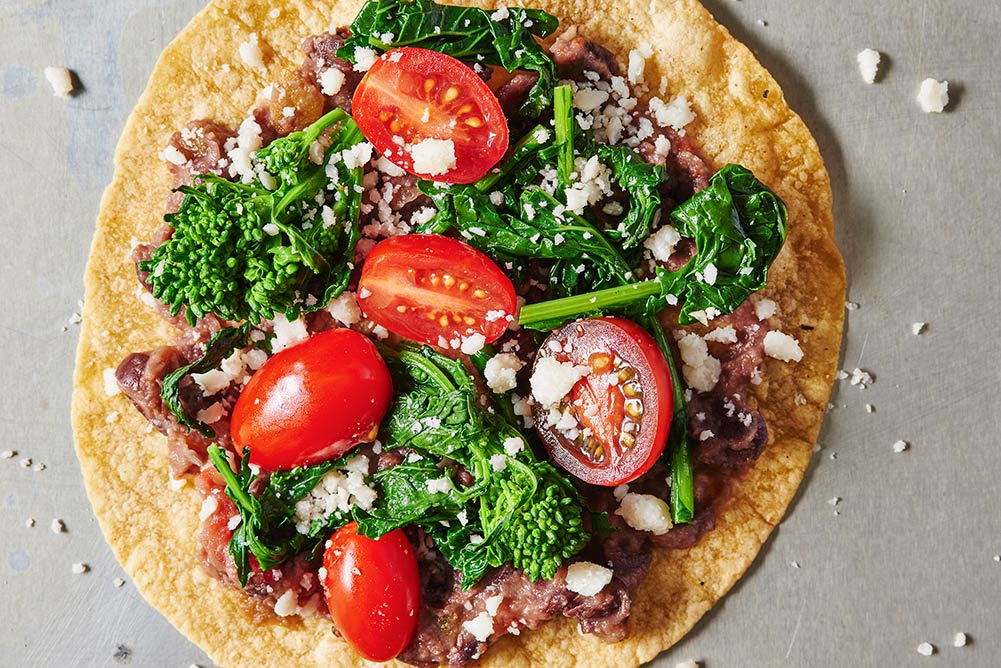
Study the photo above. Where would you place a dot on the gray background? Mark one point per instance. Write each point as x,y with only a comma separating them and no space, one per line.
910,557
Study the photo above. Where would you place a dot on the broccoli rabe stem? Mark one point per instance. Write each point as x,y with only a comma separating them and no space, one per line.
563,117
568,307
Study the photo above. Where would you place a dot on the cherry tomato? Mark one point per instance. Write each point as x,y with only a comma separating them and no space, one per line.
411,95
623,405
435,290
313,401
373,591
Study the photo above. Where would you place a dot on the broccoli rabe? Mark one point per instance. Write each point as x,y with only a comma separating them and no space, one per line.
245,252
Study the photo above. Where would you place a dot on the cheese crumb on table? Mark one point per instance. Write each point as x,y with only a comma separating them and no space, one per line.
959,640
61,81
933,96
79,568
687,664
926,649
918,327
586,578
900,446
57,526
868,64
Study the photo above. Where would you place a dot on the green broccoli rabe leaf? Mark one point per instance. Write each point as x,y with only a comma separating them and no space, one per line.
504,38
223,344
267,528
245,252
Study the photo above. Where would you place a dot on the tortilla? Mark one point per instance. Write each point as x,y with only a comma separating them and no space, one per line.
152,529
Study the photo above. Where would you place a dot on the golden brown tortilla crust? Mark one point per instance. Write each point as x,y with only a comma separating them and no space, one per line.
152,530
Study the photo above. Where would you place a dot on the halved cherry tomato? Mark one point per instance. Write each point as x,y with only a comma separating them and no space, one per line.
410,95
373,591
623,406
435,290
313,401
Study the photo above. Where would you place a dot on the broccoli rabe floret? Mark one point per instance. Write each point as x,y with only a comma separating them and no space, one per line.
245,252
549,530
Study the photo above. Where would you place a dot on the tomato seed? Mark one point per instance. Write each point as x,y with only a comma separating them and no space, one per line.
451,94
479,294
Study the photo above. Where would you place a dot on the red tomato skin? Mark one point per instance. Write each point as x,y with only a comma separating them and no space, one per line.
313,401
430,277
392,91
640,350
373,591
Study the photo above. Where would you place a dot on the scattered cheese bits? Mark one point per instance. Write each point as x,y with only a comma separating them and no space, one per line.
473,344
586,578
765,309
868,65
687,664
677,114
79,569
662,243
782,347
111,383
552,380
959,640
926,649
365,58
900,446
7,454
209,506
918,327
501,372
287,604
61,81
118,582
701,370
933,96
57,526
722,335
481,626
861,378
433,156
288,334
250,52
331,81
645,512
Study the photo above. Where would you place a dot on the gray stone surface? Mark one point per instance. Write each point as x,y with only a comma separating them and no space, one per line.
910,556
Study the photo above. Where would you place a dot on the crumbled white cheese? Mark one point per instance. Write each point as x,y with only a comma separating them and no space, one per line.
959,640
587,578
79,569
710,274
687,664
287,604
500,14
234,522
433,156
209,506
513,445
918,327
473,343
8,454
365,58
868,64
783,347
240,152
61,81
331,81
250,52
344,309
926,649
439,485
861,378
492,604
645,512
481,626
552,380
765,308
111,383
212,413
118,582
933,96
637,64
287,334
701,370
57,526
498,462
501,372
900,445
336,491
722,335
172,155
677,114
662,243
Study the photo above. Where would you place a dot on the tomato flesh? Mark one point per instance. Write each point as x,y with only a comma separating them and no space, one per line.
622,407
411,95
373,591
435,290
313,401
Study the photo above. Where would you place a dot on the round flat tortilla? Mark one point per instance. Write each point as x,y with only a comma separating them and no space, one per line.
152,529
